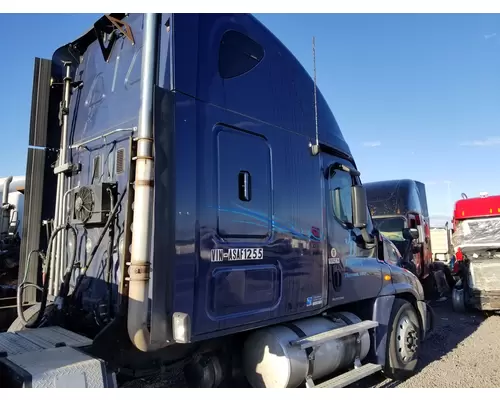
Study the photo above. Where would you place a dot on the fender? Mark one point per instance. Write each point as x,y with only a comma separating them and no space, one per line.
404,285
382,309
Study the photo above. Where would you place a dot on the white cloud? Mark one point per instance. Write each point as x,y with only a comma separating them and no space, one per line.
372,144
491,141
432,183
490,36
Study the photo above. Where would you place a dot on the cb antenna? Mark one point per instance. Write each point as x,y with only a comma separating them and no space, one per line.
315,147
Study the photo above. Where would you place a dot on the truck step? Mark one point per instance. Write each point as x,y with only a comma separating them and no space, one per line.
350,377
320,338
55,367
15,343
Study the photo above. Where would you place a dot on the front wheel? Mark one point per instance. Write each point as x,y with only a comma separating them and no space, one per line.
403,345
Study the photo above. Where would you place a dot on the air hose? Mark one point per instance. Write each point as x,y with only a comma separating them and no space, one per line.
45,291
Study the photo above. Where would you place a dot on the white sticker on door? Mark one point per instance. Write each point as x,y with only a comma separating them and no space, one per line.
246,254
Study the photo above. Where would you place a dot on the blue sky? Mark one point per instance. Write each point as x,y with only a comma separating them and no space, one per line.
416,96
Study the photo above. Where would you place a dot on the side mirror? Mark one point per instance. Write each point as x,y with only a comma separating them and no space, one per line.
359,207
410,233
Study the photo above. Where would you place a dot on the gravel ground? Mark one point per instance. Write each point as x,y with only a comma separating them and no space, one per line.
462,352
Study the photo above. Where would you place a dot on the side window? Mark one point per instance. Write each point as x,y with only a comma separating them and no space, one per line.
340,196
238,54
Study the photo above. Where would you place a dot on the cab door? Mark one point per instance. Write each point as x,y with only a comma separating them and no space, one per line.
353,268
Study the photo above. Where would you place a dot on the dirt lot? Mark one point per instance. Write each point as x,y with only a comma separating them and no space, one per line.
462,352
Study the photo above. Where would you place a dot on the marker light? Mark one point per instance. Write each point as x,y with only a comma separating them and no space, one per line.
181,327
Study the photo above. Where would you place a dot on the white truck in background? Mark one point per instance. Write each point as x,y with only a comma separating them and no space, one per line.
11,230
12,195
442,249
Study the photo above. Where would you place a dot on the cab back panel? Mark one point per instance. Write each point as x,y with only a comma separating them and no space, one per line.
110,95
104,118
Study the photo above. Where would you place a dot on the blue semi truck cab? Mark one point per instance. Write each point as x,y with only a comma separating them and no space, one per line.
192,201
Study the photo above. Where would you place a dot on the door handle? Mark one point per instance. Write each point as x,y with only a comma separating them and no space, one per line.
244,186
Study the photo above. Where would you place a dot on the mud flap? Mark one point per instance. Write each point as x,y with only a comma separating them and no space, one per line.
425,317
382,309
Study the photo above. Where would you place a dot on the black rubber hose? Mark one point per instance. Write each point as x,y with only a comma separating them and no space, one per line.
45,292
101,237
110,260
23,285
63,292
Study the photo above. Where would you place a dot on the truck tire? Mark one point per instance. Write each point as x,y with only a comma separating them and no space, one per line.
430,287
458,300
30,315
403,342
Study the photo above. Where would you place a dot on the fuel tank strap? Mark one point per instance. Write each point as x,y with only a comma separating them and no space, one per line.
309,351
342,317
357,335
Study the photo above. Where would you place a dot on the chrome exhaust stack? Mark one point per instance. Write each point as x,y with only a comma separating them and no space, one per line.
142,229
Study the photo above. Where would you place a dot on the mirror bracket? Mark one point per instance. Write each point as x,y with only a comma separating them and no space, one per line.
410,233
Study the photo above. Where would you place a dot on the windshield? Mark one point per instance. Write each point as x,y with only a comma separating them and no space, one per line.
477,232
391,228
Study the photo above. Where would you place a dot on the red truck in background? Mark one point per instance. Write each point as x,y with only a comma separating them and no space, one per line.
476,243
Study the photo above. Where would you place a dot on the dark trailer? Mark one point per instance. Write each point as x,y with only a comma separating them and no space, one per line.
398,204
396,197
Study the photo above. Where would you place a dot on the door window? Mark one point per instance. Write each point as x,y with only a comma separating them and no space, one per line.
341,197
340,193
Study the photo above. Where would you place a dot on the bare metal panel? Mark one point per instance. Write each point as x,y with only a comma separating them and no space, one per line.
11,344
485,274
51,336
14,343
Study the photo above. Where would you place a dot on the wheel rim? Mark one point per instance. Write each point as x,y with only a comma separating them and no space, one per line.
406,339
